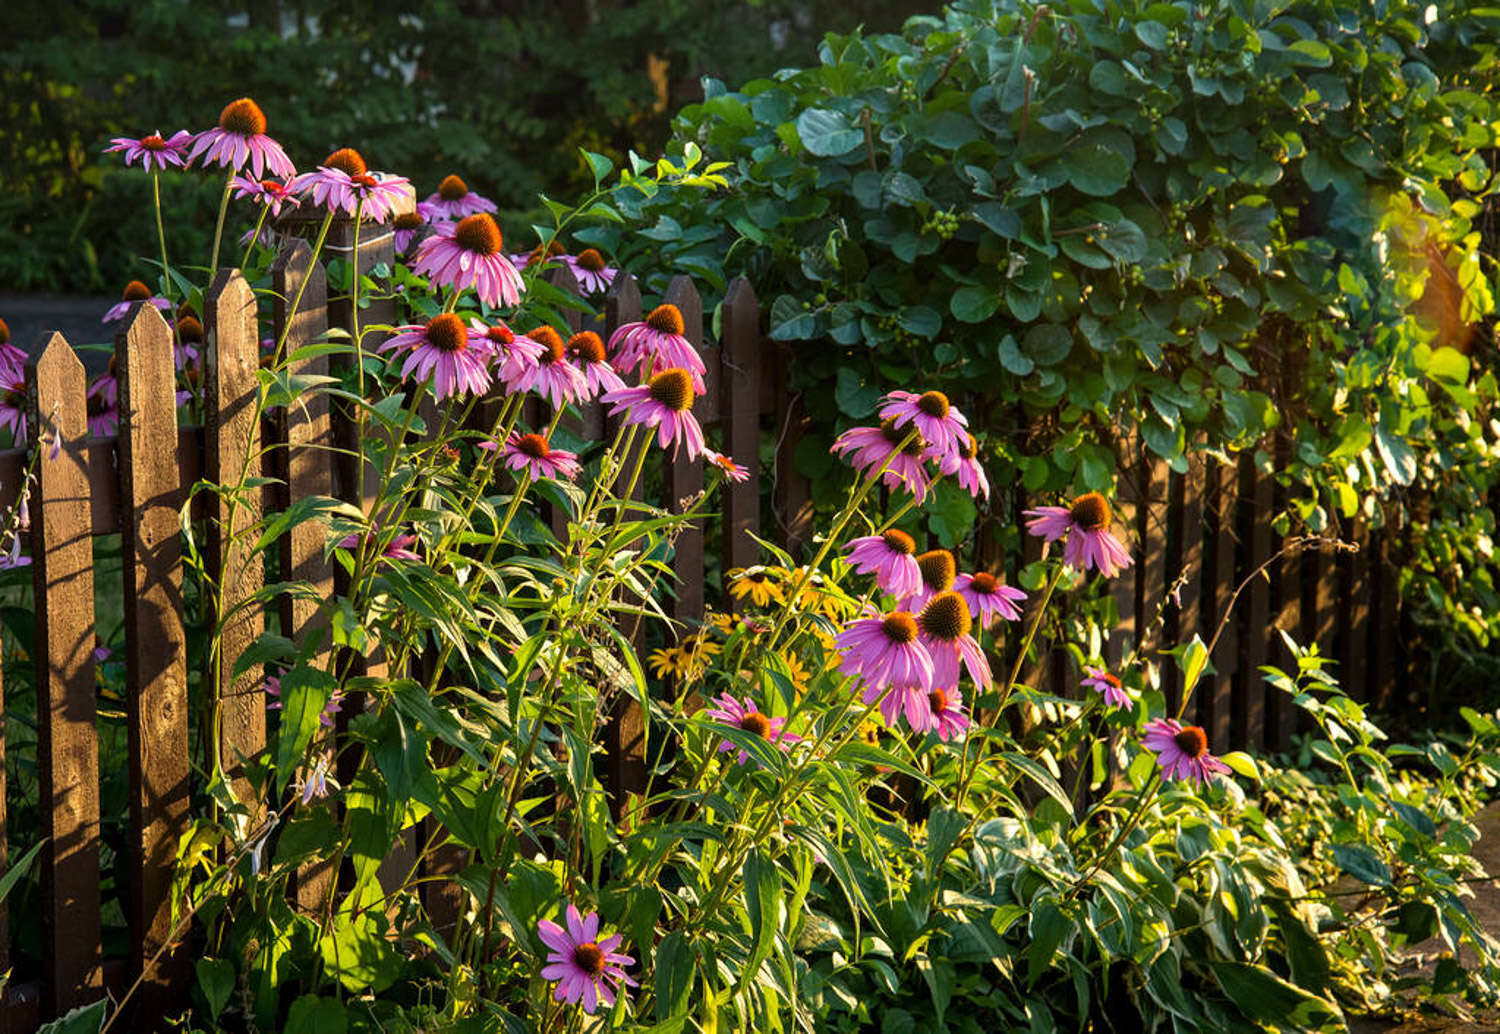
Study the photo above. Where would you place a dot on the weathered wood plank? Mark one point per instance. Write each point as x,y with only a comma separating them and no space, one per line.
1127,524
232,430
792,496
155,648
1356,617
739,358
67,739
1223,484
1255,513
1152,561
684,481
1191,553
1387,619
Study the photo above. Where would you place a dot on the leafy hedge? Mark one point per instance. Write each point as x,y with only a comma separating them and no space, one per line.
1240,225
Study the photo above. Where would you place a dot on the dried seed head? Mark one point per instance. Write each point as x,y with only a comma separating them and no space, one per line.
939,568
1192,741
984,583
587,347
500,334
934,404
534,445
896,435
757,723
551,340
135,291
409,221
937,700
899,627
898,541
589,958
189,329
154,142
590,259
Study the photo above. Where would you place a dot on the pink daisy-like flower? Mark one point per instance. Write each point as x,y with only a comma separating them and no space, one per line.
153,149
398,548
885,650
1182,751
988,598
408,226
1086,526
533,454
732,470
550,375
948,718
868,448
586,350
891,558
665,402
454,200
273,194
657,343
240,137
944,625
344,183
9,353
588,266
938,419
555,254
586,966
939,569
455,356
514,353
13,401
467,254
135,291
272,687
102,406
900,698
745,716
1101,681
963,460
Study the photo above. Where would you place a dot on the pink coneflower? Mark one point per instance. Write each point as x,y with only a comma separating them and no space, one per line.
9,353
1101,681
467,254
554,251
869,448
513,353
731,470
153,149
891,558
408,226
272,686
963,460
939,420
1086,526
944,624
665,402
586,966
453,355
900,698
398,548
657,343
586,350
240,137
454,200
745,716
885,650
344,183
13,401
939,569
273,194
588,267
948,718
988,598
135,291
102,406
533,454
551,375
1182,751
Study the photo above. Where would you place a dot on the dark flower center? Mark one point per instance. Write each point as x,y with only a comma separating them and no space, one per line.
478,233
270,186
934,404
586,347
1112,679
551,341
348,161
408,221
538,253
15,396
899,627
725,463
757,575
968,448
4,333
939,568
96,406
898,541
946,617
984,583
154,142
665,319
938,701
674,389
590,259
243,117
189,329
452,188
184,311
500,334
1090,512
896,435
589,958
1192,741
365,180
135,291
447,333
757,723
533,445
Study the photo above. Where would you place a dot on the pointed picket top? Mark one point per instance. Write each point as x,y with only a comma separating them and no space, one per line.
564,279
740,355
622,303
142,319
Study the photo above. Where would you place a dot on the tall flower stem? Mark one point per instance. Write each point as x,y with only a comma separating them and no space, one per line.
161,234
255,236
213,267
301,286
1147,793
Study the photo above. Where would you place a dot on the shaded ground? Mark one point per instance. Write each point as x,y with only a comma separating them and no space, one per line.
1485,905
32,316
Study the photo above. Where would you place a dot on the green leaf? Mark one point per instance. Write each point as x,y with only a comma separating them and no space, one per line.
920,320
1096,169
1012,359
1265,997
1049,926
1448,364
854,398
86,1019
1241,764
1400,462
1310,53
1194,660
355,950
998,218
827,134
19,868
1362,863
675,966
216,981
1047,344
310,1014
763,906
599,165
1416,818
305,692
974,304
1152,34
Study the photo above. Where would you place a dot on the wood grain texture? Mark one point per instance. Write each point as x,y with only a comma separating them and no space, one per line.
231,357
1126,523
155,652
684,481
791,496
1191,536
1255,625
1152,560
67,740
740,360
1222,480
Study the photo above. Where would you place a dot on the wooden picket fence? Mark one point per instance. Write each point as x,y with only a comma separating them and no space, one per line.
1215,520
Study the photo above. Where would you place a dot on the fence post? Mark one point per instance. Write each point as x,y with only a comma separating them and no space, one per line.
685,476
1217,703
67,740
155,647
1255,511
232,448
739,413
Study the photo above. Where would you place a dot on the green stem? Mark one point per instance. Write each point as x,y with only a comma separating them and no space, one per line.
1147,793
219,226
255,237
161,234
302,286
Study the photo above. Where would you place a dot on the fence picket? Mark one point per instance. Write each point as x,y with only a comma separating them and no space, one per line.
1255,512
740,356
1223,482
684,475
1191,536
792,496
67,739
